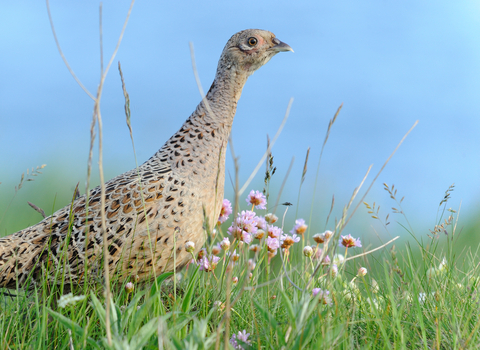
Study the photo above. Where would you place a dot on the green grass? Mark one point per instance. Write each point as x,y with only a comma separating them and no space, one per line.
422,296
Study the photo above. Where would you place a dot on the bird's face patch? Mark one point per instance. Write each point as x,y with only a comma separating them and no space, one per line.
251,44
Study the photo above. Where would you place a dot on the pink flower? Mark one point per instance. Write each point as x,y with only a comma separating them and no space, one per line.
324,298
246,237
257,199
299,227
235,231
295,238
208,264
272,243
274,231
225,211
287,241
326,258
261,223
349,242
234,255
242,336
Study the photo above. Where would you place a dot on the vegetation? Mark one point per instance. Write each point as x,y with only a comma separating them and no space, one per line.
326,295
261,282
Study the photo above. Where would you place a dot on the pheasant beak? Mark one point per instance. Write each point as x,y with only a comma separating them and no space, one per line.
280,46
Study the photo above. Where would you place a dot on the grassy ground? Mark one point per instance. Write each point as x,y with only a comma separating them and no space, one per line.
291,300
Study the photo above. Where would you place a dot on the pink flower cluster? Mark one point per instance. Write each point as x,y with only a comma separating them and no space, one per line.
245,226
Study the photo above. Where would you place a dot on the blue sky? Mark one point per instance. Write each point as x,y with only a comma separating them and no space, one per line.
389,63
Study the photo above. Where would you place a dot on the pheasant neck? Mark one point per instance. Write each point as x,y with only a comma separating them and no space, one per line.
222,98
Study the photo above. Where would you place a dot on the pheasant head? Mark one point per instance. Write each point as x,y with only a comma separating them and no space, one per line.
250,49
244,53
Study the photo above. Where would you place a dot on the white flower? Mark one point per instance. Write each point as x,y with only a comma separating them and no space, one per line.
338,259
69,299
421,297
443,265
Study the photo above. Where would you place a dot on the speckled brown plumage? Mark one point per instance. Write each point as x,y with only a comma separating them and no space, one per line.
170,199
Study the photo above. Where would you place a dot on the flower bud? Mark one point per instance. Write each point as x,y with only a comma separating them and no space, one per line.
338,259
225,244
190,247
219,305
271,218
334,271
254,248
362,272
326,260
201,254
129,287
327,235
259,234
272,254
216,250
235,280
301,229
319,238
307,251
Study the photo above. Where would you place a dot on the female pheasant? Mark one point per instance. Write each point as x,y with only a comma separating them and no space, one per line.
172,198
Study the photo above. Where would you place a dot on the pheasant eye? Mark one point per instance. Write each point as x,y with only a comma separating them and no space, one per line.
252,41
